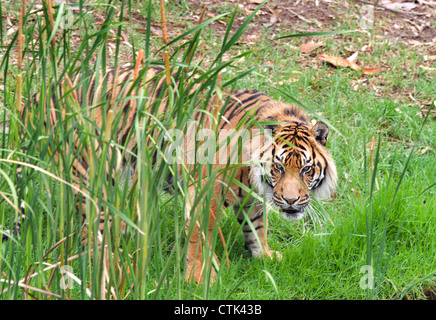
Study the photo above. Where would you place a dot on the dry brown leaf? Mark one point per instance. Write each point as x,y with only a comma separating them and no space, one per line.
370,70
353,57
363,82
424,150
424,111
309,47
294,76
271,22
338,62
124,36
405,6
341,62
428,68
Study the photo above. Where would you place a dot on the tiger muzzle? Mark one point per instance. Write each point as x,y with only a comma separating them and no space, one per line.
294,210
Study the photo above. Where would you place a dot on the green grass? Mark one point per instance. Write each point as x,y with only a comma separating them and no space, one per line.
385,220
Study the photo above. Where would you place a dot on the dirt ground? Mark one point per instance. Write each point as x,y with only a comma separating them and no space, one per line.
411,23
417,25
407,22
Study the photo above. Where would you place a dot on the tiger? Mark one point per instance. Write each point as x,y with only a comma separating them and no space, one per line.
286,172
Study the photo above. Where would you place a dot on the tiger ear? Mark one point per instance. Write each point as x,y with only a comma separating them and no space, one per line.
272,127
321,131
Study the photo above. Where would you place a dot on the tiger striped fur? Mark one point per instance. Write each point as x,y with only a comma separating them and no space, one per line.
285,172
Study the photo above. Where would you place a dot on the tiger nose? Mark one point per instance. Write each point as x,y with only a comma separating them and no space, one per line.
291,201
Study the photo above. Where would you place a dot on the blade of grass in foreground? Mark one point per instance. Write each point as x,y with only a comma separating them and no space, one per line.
314,34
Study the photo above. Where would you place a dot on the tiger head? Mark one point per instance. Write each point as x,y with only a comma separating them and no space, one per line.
296,166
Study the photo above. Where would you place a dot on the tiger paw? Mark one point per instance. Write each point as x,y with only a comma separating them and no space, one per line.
195,271
273,254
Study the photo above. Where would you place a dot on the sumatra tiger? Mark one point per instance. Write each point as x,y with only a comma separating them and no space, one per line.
285,172
293,166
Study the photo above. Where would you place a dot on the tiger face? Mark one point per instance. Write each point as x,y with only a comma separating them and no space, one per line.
298,167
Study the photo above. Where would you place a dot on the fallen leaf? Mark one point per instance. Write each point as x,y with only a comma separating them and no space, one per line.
271,22
309,47
153,30
421,102
424,150
293,79
425,111
10,31
428,68
338,62
356,84
124,36
341,62
65,2
141,30
370,70
429,58
353,57
406,6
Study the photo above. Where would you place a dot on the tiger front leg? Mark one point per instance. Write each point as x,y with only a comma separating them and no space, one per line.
255,235
196,264
197,231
